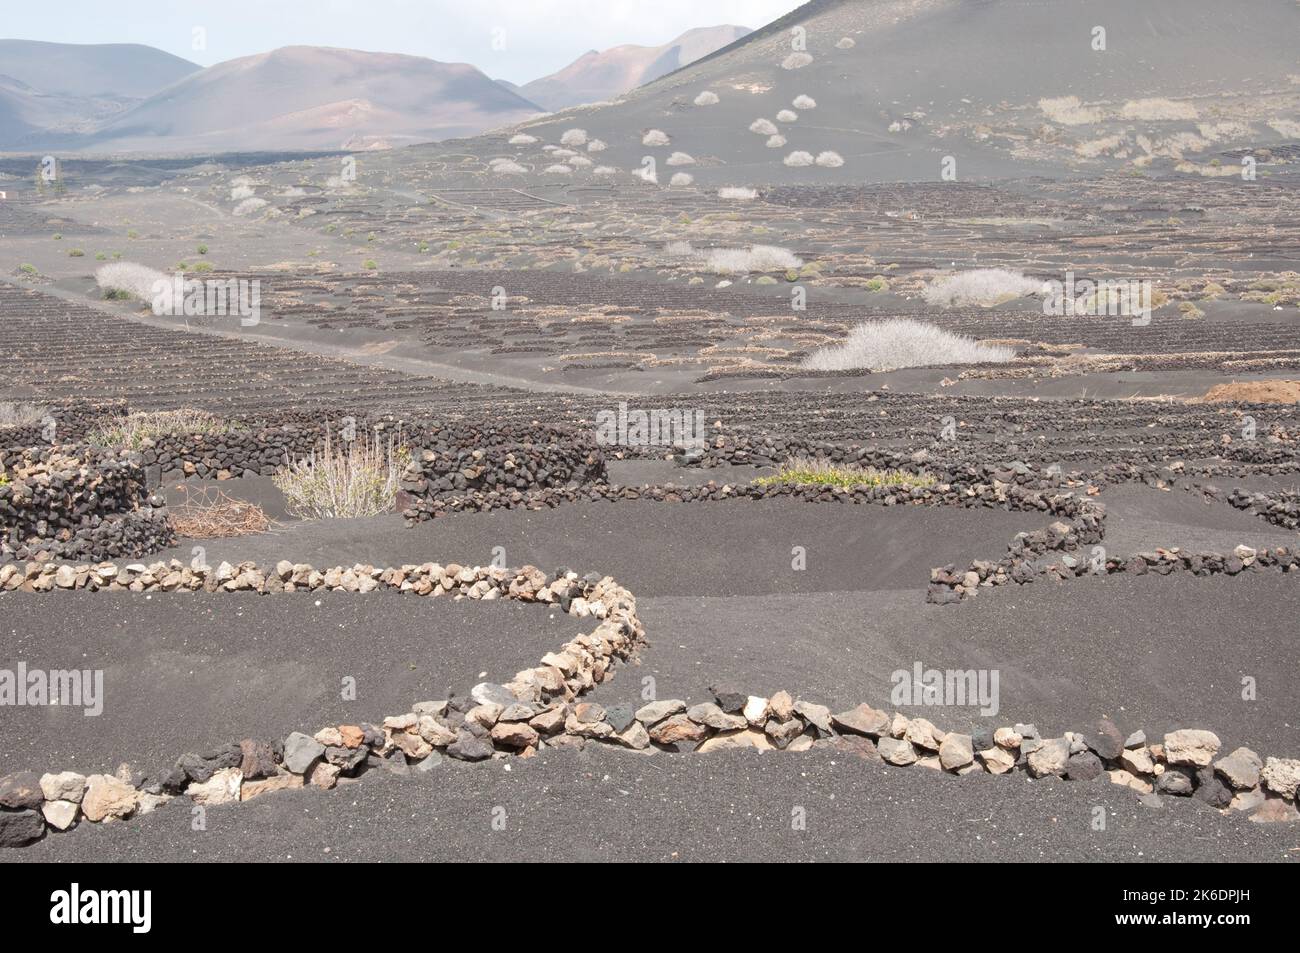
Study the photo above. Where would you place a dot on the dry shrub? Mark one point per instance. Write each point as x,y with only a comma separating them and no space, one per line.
210,513
898,343
359,479
20,415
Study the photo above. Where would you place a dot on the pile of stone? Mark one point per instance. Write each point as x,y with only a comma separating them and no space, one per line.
61,503
73,420
436,474
996,494
468,456
948,585
489,721
541,708
1279,507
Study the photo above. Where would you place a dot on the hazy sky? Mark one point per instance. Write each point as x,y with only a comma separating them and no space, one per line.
539,36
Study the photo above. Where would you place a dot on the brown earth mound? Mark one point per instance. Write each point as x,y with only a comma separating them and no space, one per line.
1256,392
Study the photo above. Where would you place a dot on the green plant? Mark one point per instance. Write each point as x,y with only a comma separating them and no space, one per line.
370,264
28,269
100,256
132,233
805,471
76,253
58,236
202,266
203,249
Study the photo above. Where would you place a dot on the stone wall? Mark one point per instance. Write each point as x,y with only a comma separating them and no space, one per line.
71,503
542,707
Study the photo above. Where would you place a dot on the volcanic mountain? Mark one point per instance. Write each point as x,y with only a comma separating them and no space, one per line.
307,98
890,90
599,76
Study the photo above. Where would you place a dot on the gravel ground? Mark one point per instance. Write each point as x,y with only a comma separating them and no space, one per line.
738,548
192,672
1139,518
1155,653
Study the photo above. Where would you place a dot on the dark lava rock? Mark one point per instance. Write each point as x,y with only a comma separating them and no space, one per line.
257,759
1211,789
729,698
1084,766
466,747
620,716
20,828
21,790
1106,740
1176,781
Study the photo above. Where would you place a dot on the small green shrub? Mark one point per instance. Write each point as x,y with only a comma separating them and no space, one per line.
804,471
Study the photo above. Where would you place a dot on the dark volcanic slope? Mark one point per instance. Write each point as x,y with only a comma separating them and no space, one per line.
891,119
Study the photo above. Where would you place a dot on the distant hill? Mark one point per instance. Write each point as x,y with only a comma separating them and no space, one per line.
599,76
885,90
51,92
92,71
303,97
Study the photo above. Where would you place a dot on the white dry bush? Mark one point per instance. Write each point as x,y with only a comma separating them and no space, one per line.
522,139
1286,127
1069,111
508,167
787,115
681,158
655,137
679,250
799,159
902,342
804,102
580,162
597,145
558,169
1157,110
981,286
358,479
796,61
129,279
763,127
240,192
574,137
737,192
133,430
249,206
562,153
707,98
20,415
732,261
830,160
681,179
647,174
776,142
604,170
845,43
